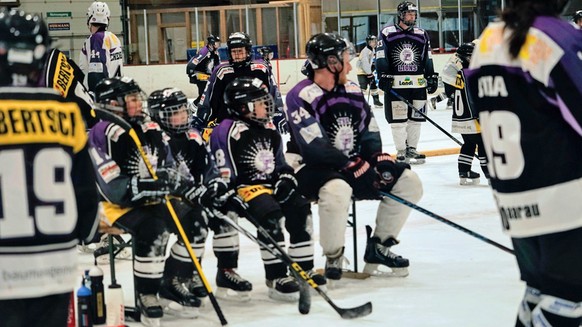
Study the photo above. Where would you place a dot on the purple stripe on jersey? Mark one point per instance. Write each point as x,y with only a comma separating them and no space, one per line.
396,36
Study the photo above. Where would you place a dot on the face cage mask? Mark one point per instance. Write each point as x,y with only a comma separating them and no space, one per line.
167,113
269,108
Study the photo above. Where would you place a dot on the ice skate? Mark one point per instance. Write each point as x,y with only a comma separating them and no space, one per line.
377,103
150,310
378,255
231,286
334,265
469,178
196,286
177,300
283,289
120,249
401,156
413,157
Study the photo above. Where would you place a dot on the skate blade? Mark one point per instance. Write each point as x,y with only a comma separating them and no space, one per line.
285,297
232,295
177,310
374,270
469,181
151,322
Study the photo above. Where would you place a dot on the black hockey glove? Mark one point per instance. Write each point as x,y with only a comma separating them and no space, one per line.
385,82
387,170
432,83
362,178
280,122
147,189
285,187
232,203
209,195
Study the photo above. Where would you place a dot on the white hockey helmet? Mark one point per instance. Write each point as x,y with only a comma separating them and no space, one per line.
98,13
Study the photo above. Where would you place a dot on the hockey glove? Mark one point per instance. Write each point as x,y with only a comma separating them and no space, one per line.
432,83
285,187
361,178
207,196
387,170
385,82
147,189
233,203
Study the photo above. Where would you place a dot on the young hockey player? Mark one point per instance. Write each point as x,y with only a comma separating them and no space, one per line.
249,154
134,198
465,120
336,151
48,194
200,67
212,109
101,56
366,69
525,81
404,63
169,108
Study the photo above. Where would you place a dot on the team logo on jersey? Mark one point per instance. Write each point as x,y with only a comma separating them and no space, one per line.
260,157
406,57
343,135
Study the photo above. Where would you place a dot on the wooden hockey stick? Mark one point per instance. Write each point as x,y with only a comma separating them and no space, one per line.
108,116
446,221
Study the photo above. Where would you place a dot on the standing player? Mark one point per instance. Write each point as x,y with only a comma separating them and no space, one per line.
201,66
169,108
336,151
405,65
212,109
134,199
465,120
47,191
366,69
101,56
524,79
249,153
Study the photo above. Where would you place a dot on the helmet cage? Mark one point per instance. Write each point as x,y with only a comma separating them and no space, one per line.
166,103
239,40
242,97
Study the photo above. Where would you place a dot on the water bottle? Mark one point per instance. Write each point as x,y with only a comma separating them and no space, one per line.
97,295
71,312
84,318
115,306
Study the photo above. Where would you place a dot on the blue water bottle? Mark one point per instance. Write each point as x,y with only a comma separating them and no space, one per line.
84,318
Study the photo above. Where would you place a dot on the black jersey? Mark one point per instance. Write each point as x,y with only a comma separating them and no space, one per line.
530,115
328,127
464,119
117,159
48,198
247,154
193,157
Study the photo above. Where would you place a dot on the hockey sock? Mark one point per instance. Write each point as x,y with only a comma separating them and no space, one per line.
554,311
530,299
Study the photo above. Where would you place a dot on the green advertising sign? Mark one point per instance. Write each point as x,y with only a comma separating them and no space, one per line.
58,14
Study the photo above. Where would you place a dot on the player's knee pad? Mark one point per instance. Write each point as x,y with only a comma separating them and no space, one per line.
554,311
334,201
408,186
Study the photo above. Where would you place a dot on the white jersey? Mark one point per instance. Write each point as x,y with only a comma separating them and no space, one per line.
365,61
101,57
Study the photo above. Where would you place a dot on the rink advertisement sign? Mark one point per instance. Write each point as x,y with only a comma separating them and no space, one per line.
59,26
59,14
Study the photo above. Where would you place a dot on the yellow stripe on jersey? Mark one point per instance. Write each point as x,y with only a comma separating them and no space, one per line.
64,75
38,121
248,193
113,212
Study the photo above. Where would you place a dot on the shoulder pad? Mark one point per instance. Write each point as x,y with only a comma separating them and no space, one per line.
417,30
310,93
195,136
389,29
221,71
352,87
150,125
237,128
258,66
113,132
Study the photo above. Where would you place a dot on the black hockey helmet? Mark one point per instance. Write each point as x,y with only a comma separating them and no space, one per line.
465,51
212,40
371,38
577,16
24,44
322,46
239,40
242,96
306,69
403,8
266,53
110,94
165,103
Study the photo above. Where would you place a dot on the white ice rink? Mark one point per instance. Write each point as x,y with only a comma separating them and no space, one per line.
455,280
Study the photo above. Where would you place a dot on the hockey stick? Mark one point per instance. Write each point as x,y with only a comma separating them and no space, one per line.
287,80
446,221
304,296
106,115
349,313
401,98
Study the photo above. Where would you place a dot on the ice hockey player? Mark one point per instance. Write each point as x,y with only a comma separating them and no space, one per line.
212,109
404,64
267,55
200,67
169,108
465,120
449,74
101,56
336,151
366,69
525,81
249,153
48,184
133,198
577,18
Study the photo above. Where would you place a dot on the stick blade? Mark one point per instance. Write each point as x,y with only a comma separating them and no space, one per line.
357,312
